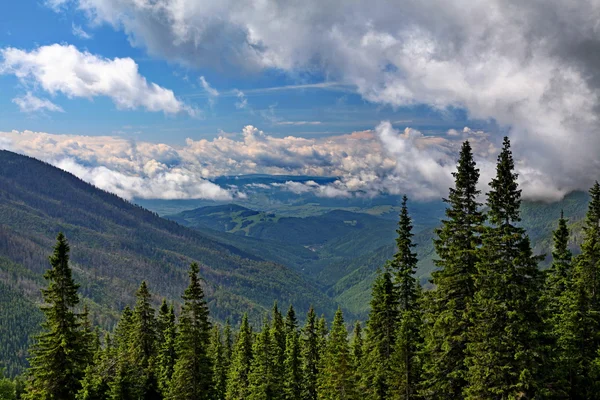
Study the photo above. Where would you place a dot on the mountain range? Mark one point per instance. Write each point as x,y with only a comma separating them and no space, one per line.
279,246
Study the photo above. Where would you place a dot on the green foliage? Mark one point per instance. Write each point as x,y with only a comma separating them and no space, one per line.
504,341
446,305
241,361
337,380
192,374
60,353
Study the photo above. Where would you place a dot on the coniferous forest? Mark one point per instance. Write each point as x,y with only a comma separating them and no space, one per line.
492,325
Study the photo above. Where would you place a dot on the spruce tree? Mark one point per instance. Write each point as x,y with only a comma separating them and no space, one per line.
192,373
380,337
94,385
218,361
337,379
228,345
357,344
311,356
581,327
262,381
121,380
278,339
293,362
405,363
143,347
241,360
61,352
456,246
504,339
166,347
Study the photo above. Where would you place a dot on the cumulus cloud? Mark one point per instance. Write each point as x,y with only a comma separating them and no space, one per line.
529,65
368,163
30,103
66,70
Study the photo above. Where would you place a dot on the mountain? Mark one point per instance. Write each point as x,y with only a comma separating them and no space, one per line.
116,244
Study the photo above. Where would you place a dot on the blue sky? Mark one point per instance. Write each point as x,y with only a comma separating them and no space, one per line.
380,94
280,102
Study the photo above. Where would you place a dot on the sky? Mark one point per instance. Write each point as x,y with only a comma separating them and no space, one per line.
153,98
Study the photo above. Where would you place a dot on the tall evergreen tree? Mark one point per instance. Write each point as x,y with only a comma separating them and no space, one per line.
167,354
311,356
263,382
357,344
241,360
61,352
405,363
293,362
278,339
404,263
503,348
143,347
94,385
380,337
192,374
218,361
227,345
456,246
336,381
120,380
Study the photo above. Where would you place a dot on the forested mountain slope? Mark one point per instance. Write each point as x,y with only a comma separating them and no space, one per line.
116,245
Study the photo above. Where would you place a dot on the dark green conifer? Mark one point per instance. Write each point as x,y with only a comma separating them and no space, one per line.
357,344
293,359
61,352
166,347
503,350
218,360
120,380
262,380
241,360
143,347
192,374
337,378
380,337
311,356
446,305
278,339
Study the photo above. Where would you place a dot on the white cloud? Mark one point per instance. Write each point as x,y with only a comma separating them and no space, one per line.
298,123
31,103
64,69
242,101
212,92
530,65
366,163
78,31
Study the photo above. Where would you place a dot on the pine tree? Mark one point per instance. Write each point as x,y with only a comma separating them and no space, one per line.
446,305
94,385
61,352
120,380
380,337
293,363
262,379
557,300
192,373
503,343
405,364
241,360
357,344
278,339
404,263
143,347
228,345
580,329
311,356
218,361
336,381
166,347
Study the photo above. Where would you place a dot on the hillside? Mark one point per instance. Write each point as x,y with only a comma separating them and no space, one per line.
116,244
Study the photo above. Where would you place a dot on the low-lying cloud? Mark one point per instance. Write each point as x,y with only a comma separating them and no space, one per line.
368,163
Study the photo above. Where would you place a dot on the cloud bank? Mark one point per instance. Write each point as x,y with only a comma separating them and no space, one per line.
66,70
532,66
379,161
